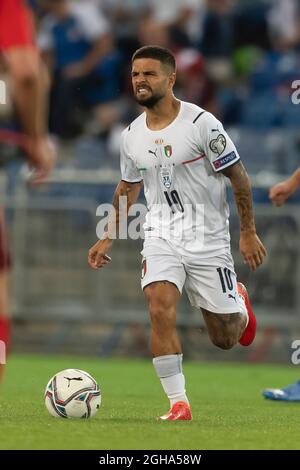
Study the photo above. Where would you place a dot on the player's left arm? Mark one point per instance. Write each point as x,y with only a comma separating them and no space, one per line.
251,247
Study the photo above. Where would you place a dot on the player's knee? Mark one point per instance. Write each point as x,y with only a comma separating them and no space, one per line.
224,342
162,316
24,66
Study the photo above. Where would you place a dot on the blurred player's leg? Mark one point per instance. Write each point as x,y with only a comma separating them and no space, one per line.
162,298
29,82
4,301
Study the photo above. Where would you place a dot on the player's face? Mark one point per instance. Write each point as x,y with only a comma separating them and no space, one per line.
150,81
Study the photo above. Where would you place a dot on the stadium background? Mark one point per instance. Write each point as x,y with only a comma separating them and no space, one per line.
237,59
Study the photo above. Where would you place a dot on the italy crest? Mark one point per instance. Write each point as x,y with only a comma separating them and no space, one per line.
168,150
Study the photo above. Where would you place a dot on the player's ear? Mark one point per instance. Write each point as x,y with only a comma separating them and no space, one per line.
172,79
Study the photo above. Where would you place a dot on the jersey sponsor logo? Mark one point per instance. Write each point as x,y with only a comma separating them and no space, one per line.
224,160
153,152
168,150
218,145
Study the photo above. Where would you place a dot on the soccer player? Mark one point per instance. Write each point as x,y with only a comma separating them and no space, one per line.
285,189
279,195
182,154
28,80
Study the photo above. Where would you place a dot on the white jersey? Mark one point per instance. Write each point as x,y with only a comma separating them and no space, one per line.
185,191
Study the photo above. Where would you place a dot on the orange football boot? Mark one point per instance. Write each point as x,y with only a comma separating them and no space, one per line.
180,411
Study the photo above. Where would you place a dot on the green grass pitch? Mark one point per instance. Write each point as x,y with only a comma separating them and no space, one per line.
228,409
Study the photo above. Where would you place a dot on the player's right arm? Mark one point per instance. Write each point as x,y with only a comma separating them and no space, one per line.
285,189
97,256
128,191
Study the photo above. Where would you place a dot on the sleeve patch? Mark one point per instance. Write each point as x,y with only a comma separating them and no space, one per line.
223,161
218,145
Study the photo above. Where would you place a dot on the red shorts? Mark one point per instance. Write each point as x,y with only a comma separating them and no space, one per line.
16,24
5,261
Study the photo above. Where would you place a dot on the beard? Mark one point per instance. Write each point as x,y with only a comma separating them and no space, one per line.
149,102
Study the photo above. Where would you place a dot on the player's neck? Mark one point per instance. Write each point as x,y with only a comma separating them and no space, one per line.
162,114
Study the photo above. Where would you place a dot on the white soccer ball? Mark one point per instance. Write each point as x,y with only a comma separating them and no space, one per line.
72,393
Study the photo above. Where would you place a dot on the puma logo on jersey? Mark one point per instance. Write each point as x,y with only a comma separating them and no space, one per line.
153,153
230,296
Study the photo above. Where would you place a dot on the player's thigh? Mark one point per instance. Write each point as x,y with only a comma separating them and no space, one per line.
213,287
162,298
161,264
163,277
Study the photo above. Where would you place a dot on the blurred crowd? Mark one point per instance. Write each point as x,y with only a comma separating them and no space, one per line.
236,58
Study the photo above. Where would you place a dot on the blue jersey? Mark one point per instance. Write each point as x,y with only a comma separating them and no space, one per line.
32,4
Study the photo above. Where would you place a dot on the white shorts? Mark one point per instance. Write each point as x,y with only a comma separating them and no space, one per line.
210,283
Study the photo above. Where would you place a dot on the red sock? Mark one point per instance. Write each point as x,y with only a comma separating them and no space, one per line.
5,331
5,337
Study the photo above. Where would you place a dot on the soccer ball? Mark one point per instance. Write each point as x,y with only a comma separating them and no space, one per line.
72,393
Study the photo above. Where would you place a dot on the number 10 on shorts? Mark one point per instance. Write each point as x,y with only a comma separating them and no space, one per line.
225,279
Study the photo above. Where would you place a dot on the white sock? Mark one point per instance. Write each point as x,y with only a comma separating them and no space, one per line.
174,388
243,308
169,371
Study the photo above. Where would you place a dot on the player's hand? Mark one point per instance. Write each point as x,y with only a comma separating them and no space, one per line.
75,70
281,192
41,159
252,249
97,257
